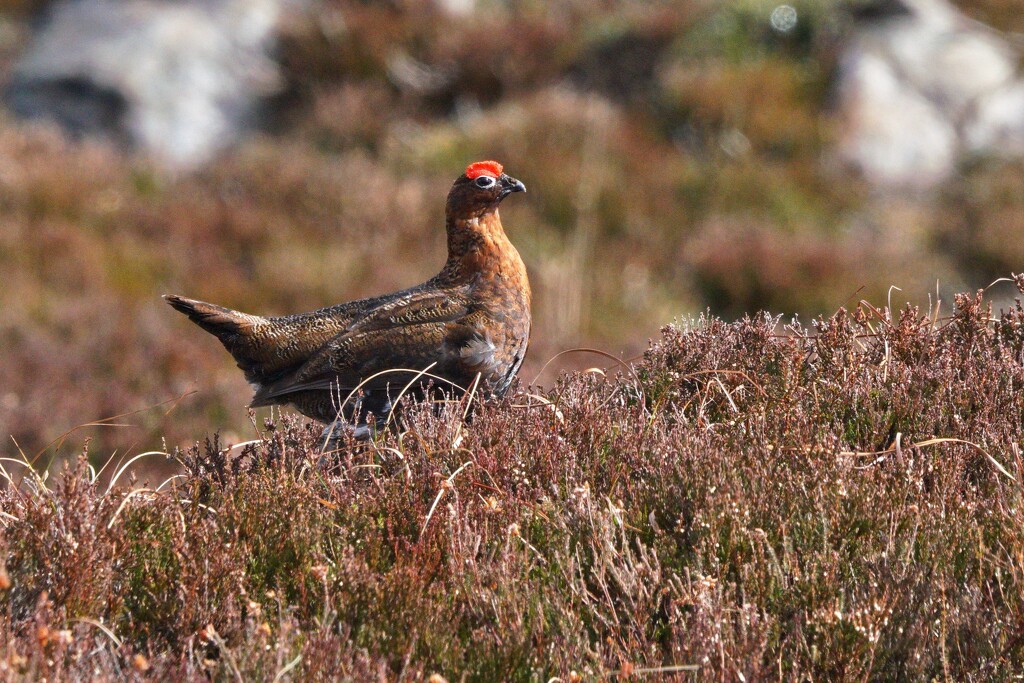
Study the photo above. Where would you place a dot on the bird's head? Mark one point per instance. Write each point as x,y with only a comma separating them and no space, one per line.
480,189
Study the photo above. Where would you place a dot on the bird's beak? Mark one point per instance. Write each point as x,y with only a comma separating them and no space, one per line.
510,185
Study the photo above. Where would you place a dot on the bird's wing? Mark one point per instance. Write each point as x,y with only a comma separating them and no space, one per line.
278,346
405,336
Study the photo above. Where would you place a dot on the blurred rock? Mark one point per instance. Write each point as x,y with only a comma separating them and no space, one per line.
997,123
458,8
176,79
919,85
892,133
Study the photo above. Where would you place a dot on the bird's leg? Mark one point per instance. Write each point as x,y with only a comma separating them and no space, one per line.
335,432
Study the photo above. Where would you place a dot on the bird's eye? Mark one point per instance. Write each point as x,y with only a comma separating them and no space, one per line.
484,182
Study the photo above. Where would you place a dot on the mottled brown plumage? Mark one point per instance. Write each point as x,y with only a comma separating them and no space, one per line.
472,318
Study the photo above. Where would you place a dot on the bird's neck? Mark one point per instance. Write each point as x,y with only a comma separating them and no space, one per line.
478,245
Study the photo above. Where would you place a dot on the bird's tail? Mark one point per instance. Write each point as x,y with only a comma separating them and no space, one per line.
221,322
238,332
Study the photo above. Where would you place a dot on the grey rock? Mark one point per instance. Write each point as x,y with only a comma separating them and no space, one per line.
921,85
891,133
176,79
996,126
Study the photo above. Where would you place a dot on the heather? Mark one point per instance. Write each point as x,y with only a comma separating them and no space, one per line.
839,501
676,155
828,492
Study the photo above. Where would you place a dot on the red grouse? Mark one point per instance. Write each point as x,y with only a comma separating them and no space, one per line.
471,319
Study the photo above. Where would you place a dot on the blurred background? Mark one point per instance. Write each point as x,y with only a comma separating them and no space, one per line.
277,156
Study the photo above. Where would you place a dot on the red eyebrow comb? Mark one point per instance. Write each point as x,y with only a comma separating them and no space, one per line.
479,168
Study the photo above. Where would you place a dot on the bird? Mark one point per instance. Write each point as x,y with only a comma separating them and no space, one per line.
467,328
